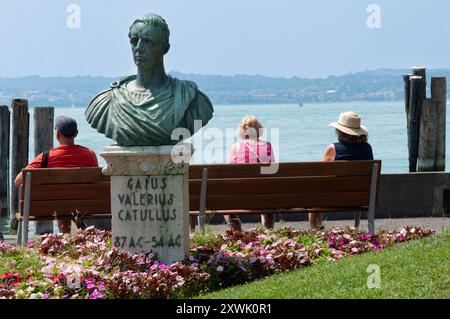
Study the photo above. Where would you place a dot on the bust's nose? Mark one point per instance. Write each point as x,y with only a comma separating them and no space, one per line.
139,45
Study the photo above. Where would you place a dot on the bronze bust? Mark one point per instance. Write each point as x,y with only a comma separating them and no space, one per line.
144,109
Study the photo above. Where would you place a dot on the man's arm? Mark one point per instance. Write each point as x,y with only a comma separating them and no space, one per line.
18,180
36,163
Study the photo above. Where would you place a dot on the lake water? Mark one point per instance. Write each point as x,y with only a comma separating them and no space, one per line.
303,132
297,133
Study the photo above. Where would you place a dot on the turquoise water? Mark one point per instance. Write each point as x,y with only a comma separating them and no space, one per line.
297,133
303,131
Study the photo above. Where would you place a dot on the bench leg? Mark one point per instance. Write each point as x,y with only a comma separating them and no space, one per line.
268,220
19,233
357,219
372,198
192,223
26,208
25,224
371,220
202,209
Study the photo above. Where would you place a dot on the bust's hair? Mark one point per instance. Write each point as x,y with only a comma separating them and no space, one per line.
156,21
249,122
344,138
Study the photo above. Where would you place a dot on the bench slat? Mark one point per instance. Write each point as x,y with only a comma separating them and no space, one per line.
338,168
65,207
275,201
66,175
70,191
280,185
280,211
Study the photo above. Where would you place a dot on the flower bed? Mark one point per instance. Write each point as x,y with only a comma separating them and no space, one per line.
86,266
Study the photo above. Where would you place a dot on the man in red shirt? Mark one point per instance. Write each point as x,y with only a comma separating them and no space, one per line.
67,154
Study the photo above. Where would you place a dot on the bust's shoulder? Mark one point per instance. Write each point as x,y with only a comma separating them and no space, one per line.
186,84
203,97
101,98
122,81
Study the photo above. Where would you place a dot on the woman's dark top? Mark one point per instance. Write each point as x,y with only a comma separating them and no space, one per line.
353,152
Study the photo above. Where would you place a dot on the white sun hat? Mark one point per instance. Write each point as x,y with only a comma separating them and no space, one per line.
350,123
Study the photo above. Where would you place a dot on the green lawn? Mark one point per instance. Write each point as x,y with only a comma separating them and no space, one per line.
416,269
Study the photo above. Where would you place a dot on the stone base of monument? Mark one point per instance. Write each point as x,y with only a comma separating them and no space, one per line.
150,199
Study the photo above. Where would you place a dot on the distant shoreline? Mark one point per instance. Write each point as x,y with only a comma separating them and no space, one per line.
261,103
383,85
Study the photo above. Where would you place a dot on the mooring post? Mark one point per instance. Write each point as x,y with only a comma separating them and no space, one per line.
19,158
421,71
4,160
427,136
439,94
43,141
415,105
407,90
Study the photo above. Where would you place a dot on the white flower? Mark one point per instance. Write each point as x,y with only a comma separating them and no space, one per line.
220,268
38,295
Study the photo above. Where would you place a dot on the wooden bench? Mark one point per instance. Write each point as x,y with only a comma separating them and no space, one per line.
65,193
214,189
295,188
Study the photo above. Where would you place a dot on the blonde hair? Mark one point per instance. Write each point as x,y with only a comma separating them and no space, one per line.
249,122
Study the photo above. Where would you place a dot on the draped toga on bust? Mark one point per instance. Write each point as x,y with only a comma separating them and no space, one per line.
140,118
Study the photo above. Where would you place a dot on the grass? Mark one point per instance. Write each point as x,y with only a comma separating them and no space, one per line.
22,262
416,269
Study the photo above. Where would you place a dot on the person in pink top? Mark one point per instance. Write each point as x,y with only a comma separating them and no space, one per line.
251,149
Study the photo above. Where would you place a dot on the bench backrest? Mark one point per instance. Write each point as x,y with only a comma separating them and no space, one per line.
295,185
65,191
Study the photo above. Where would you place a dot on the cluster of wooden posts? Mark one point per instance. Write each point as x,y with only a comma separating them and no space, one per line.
425,121
15,147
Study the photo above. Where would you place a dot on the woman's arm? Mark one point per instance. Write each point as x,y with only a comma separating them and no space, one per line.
272,154
330,154
233,152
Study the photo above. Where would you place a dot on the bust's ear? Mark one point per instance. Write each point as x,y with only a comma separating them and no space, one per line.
166,49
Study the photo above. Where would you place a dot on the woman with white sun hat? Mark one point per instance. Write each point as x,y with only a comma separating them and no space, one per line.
352,146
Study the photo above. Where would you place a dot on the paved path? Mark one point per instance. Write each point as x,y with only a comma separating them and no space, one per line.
436,223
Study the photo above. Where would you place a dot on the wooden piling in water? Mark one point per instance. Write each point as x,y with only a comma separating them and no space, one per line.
4,160
43,141
407,92
421,71
19,158
439,94
415,104
427,136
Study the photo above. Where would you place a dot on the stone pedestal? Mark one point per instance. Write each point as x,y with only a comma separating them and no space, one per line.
150,199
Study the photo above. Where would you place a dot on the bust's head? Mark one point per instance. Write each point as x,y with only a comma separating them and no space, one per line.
149,38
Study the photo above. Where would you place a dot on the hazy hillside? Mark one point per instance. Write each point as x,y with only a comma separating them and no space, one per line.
378,85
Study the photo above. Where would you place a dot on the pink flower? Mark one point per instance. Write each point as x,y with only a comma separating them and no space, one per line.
96,295
90,283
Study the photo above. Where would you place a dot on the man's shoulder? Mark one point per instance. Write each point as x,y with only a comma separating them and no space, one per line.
75,147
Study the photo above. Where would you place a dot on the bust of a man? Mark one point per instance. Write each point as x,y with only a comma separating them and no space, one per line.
144,109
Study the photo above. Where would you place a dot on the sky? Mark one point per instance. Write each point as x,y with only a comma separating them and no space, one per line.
281,38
